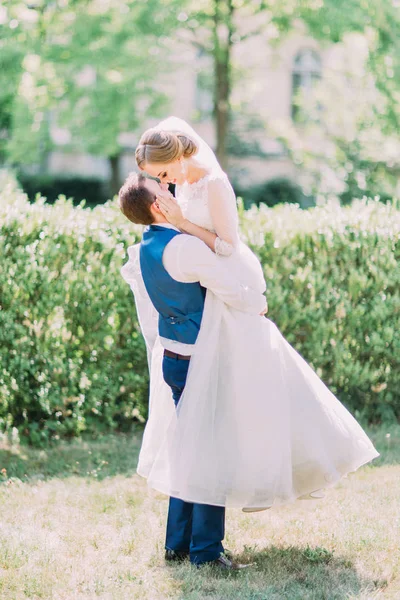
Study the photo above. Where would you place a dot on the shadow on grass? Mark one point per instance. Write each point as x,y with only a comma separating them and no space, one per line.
386,439
106,456
278,573
117,453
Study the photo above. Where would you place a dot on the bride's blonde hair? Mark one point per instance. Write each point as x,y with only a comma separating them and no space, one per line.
156,146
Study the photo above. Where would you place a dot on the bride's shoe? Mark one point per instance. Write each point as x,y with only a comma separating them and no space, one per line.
317,495
255,509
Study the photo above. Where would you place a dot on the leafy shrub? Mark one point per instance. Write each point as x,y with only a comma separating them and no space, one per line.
72,356
94,191
275,191
334,291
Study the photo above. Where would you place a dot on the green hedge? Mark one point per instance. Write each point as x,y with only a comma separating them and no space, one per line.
72,357
94,191
272,192
334,291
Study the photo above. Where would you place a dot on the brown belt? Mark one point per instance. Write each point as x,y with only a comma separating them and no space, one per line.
175,355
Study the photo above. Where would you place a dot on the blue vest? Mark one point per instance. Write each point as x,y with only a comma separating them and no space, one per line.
180,305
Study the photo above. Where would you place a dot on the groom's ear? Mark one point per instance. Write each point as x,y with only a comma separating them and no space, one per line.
155,208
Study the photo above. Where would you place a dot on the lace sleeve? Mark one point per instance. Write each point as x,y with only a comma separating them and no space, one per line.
223,211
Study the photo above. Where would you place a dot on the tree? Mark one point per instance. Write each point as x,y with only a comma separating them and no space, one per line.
91,65
90,69
217,26
11,56
215,29
223,36
350,146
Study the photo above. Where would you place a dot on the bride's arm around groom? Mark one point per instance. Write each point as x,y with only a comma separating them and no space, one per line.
188,259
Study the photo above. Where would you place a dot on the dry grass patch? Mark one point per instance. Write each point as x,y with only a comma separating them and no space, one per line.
78,523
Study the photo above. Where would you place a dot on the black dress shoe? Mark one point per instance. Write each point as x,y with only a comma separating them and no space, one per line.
175,556
225,564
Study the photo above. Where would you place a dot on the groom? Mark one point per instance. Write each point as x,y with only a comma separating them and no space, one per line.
177,269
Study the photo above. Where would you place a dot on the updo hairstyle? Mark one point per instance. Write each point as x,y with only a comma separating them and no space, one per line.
156,146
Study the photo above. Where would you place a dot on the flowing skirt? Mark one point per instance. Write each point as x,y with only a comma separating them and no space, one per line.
255,426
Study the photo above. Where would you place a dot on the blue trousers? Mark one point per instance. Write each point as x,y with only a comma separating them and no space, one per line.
195,528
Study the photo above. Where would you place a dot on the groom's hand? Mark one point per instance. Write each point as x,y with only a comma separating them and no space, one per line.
170,208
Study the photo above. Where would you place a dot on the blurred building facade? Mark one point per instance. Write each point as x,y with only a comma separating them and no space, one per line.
267,78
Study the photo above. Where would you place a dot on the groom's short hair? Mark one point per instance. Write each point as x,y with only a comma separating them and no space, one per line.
135,200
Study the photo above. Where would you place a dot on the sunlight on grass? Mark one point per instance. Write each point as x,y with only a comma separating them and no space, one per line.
78,523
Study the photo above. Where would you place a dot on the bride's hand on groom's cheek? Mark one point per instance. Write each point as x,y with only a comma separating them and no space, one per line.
170,209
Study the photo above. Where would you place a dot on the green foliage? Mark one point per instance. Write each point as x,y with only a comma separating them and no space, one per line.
334,291
344,148
350,146
84,74
72,356
275,191
88,67
78,188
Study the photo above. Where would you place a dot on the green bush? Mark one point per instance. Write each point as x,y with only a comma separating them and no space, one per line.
72,356
275,191
73,359
94,191
334,291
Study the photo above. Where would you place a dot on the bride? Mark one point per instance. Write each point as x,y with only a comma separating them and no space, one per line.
255,426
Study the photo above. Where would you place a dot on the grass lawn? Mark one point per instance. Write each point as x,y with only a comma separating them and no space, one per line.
78,523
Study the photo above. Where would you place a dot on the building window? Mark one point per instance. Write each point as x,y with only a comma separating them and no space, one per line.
307,71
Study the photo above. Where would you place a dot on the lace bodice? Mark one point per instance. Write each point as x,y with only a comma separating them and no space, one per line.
211,203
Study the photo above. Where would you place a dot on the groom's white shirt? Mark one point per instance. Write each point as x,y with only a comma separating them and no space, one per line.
188,260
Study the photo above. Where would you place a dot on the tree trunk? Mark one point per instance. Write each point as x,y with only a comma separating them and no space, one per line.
223,29
115,180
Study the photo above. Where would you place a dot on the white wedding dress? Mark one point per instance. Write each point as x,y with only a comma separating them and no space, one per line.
255,426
